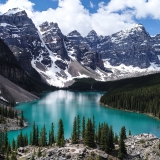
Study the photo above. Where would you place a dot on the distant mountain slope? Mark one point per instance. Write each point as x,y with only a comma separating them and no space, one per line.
12,93
128,83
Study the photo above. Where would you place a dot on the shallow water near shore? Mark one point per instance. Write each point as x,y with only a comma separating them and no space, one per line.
68,104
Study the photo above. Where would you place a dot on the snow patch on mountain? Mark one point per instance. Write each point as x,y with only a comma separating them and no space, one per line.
123,71
3,99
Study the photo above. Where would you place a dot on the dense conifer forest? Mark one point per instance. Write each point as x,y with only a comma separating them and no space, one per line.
144,100
142,94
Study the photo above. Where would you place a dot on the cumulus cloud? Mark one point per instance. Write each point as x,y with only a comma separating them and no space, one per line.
23,4
72,15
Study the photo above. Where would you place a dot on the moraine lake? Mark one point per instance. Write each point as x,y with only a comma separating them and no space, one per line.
68,104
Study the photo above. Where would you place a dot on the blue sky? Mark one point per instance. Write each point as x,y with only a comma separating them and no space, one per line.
106,17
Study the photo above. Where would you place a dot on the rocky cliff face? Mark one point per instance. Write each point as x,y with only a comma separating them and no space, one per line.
21,35
129,47
93,40
55,42
128,53
84,51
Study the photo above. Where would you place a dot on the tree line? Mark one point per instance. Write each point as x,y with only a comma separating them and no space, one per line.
82,132
144,99
8,112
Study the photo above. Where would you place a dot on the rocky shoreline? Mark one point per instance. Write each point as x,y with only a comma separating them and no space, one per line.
139,147
69,151
10,124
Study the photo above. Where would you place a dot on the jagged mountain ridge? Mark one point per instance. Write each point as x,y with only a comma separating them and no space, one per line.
132,46
45,54
49,55
128,53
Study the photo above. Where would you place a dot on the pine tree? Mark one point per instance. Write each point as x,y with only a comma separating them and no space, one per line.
89,134
60,137
34,134
31,138
25,139
99,133
122,149
5,139
129,133
116,138
104,139
21,120
111,138
123,133
7,157
13,156
51,135
13,145
83,127
94,126
43,138
8,149
39,154
78,127
74,132
20,140
15,114
37,136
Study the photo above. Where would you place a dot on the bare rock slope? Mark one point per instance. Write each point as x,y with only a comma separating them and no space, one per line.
10,92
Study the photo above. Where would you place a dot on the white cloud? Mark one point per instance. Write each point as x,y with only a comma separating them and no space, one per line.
71,14
91,4
139,8
23,4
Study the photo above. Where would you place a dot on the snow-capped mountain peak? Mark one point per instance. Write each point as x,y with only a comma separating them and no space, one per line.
92,33
46,26
58,59
74,33
14,11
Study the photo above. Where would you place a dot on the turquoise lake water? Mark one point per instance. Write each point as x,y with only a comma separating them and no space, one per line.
67,104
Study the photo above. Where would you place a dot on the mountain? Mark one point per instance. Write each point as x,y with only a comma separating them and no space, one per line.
48,55
20,34
130,52
129,47
11,70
